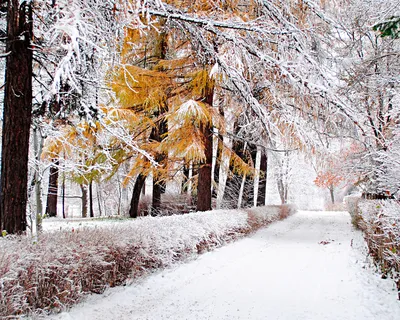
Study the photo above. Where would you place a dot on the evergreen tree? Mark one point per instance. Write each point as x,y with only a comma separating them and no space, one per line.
17,117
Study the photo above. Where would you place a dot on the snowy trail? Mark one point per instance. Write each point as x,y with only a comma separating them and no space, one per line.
281,272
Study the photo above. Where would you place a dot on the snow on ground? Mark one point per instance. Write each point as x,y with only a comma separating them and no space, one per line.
309,266
56,223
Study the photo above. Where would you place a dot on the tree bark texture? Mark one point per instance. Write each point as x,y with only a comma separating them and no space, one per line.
331,191
99,197
262,185
134,209
256,183
158,133
158,184
91,210
283,177
63,197
37,146
204,183
84,200
226,146
17,116
205,179
52,193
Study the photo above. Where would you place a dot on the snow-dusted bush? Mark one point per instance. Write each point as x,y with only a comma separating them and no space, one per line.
380,221
64,265
351,202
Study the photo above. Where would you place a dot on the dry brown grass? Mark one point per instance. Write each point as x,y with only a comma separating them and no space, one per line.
380,223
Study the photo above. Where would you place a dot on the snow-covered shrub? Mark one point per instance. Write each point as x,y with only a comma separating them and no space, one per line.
351,203
56,271
380,221
337,206
261,216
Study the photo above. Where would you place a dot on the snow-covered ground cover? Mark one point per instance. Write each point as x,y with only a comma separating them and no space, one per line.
73,258
380,222
311,266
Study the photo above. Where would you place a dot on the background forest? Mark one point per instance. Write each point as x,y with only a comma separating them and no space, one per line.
160,107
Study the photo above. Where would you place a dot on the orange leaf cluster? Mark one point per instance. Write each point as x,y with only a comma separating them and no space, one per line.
328,179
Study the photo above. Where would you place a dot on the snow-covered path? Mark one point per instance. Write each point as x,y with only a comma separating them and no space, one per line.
309,266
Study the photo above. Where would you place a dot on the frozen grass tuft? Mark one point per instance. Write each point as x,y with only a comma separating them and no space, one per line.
57,271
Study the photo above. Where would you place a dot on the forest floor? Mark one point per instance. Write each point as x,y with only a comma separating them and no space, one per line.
313,265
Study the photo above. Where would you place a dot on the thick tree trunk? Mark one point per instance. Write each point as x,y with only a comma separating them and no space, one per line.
159,132
134,209
156,198
17,116
52,193
262,185
84,200
144,189
204,195
204,177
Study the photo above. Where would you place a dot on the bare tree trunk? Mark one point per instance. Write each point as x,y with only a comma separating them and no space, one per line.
190,177
281,189
17,117
286,176
144,189
52,193
214,166
240,199
331,191
63,196
223,175
204,195
158,184
156,198
204,178
37,146
98,189
257,175
119,189
84,200
91,211
226,155
283,177
241,190
134,209
262,185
